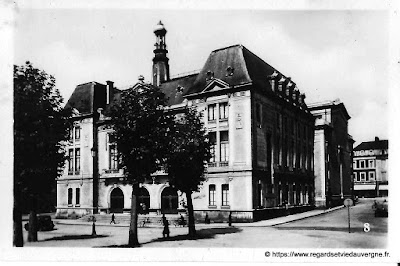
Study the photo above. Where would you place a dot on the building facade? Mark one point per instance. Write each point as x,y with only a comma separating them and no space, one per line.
333,148
370,164
260,126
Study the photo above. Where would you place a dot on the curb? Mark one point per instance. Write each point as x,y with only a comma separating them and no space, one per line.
255,224
312,215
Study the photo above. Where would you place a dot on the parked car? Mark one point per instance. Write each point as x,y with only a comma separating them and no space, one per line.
44,223
381,209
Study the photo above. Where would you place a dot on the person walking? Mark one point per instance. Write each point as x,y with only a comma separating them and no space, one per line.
166,226
113,219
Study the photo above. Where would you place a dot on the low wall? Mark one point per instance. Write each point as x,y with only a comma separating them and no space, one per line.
72,213
222,216
269,213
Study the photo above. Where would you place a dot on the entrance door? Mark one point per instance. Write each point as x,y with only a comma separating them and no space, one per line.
117,200
169,200
144,200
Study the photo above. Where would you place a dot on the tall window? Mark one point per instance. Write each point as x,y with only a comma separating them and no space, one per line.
357,177
213,140
113,157
224,143
258,113
71,134
362,163
223,111
225,194
77,160
211,195
278,150
278,121
362,176
371,176
77,133
371,164
77,196
70,196
70,161
293,155
212,108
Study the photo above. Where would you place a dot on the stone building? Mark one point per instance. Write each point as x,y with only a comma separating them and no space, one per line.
333,148
257,119
370,164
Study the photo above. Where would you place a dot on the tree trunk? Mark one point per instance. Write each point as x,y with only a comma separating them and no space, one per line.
133,236
192,229
18,240
33,228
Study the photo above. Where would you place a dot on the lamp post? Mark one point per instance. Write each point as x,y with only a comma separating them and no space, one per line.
95,177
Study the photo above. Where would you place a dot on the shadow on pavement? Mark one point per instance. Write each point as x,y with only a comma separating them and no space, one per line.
330,229
200,234
73,237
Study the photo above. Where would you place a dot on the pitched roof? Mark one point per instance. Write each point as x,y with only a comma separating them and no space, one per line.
246,67
82,98
373,145
174,89
337,104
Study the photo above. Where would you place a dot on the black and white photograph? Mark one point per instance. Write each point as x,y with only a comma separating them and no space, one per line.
213,131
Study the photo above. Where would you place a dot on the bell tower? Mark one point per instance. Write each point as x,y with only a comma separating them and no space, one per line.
160,60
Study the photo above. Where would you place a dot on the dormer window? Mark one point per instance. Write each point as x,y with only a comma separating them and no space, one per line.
179,89
210,75
229,71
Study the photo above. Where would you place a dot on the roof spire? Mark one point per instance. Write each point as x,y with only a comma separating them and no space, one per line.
160,60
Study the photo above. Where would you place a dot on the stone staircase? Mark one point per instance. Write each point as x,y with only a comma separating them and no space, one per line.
144,220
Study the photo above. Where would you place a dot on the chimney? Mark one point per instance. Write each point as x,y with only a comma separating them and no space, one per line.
295,95
272,79
109,91
301,99
289,87
280,85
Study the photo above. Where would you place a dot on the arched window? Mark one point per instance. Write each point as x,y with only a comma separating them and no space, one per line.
169,200
144,200
116,200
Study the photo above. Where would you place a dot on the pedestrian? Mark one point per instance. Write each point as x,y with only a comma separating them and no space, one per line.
113,219
375,205
230,219
166,227
206,219
182,221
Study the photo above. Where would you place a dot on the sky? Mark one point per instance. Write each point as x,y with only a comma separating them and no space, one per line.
330,54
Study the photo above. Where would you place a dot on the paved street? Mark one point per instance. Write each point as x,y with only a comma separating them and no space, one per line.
328,230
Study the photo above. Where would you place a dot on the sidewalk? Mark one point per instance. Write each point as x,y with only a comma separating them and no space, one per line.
264,223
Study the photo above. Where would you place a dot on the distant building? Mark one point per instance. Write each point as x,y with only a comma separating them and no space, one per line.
260,126
333,148
370,164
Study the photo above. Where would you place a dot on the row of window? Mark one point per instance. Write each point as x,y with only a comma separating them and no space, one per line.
222,114
74,159
77,196
212,200
363,164
290,154
293,194
364,176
